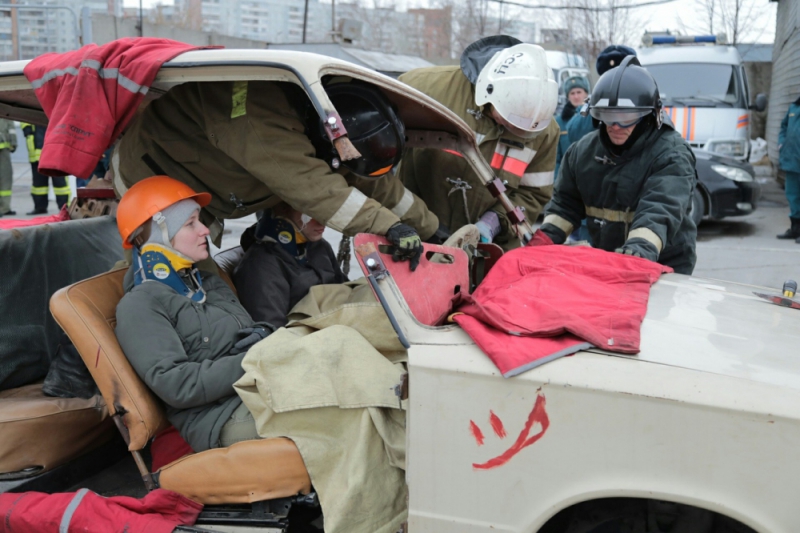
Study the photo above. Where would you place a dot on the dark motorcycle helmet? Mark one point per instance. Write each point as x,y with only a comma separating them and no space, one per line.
372,126
625,94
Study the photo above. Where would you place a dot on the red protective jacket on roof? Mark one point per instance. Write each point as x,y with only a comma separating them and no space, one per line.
161,511
539,303
89,95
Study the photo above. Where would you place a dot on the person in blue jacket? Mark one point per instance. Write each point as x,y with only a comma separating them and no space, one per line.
789,148
577,89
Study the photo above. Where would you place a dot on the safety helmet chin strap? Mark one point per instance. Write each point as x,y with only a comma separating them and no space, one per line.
161,221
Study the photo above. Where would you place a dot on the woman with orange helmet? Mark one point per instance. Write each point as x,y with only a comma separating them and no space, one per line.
183,331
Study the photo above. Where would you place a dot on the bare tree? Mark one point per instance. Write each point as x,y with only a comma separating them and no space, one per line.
594,24
739,20
475,19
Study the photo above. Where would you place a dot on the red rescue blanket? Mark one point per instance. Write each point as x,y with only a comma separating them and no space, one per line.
543,302
89,95
160,511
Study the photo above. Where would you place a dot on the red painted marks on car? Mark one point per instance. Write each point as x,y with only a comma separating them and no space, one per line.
476,432
537,415
497,425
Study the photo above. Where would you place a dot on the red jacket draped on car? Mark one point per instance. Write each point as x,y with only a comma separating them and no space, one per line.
538,303
89,96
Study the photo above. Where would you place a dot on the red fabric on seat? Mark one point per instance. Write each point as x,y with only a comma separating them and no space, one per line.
89,95
11,223
168,446
548,291
34,512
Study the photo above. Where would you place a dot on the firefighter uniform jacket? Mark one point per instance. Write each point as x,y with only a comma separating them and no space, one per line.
8,137
245,143
639,200
34,138
442,178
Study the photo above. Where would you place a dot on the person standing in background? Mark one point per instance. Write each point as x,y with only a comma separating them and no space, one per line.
789,159
8,143
576,89
34,138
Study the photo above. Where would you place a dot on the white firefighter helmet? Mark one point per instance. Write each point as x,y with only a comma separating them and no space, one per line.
520,86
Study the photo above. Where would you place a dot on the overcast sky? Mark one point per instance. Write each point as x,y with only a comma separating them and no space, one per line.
659,17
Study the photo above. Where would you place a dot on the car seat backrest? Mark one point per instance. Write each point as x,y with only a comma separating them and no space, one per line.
227,261
86,311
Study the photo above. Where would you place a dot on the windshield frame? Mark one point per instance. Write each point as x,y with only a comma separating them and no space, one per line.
708,100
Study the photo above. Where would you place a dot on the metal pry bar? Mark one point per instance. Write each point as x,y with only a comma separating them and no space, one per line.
377,270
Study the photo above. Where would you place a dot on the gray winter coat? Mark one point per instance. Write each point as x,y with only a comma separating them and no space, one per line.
270,281
180,349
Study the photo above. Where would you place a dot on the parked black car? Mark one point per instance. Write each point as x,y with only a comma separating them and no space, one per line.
726,187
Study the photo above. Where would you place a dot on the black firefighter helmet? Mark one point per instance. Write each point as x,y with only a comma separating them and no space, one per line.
625,94
372,126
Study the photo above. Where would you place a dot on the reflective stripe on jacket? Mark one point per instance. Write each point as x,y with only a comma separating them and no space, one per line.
526,164
8,136
246,145
640,199
34,138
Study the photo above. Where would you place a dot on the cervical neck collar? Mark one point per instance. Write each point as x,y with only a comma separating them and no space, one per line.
284,233
160,263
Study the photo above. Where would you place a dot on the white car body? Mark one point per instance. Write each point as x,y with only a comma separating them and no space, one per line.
708,414
722,127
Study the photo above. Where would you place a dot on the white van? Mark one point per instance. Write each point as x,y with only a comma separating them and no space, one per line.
564,66
705,92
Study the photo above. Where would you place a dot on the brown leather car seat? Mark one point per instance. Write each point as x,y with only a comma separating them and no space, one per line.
245,472
40,432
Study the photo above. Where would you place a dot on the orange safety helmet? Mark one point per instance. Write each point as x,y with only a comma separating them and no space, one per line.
148,197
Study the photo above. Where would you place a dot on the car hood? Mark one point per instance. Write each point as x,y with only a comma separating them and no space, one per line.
722,328
712,158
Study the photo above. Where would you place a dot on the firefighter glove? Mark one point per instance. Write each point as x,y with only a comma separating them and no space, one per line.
628,251
407,244
249,336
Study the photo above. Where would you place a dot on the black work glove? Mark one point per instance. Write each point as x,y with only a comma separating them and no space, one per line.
628,251
639,247
440,237
249,336
407,244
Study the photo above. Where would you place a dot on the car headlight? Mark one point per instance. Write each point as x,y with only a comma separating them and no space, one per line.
729,148
732,173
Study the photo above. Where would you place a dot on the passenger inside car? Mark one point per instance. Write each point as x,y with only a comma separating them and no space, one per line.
285,255
183,331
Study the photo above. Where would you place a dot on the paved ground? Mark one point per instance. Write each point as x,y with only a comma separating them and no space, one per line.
745,250
740,249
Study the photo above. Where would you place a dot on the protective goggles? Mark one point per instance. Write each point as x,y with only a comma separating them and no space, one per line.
618,117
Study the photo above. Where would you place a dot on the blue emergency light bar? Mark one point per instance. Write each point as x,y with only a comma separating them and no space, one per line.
684,39
675,39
